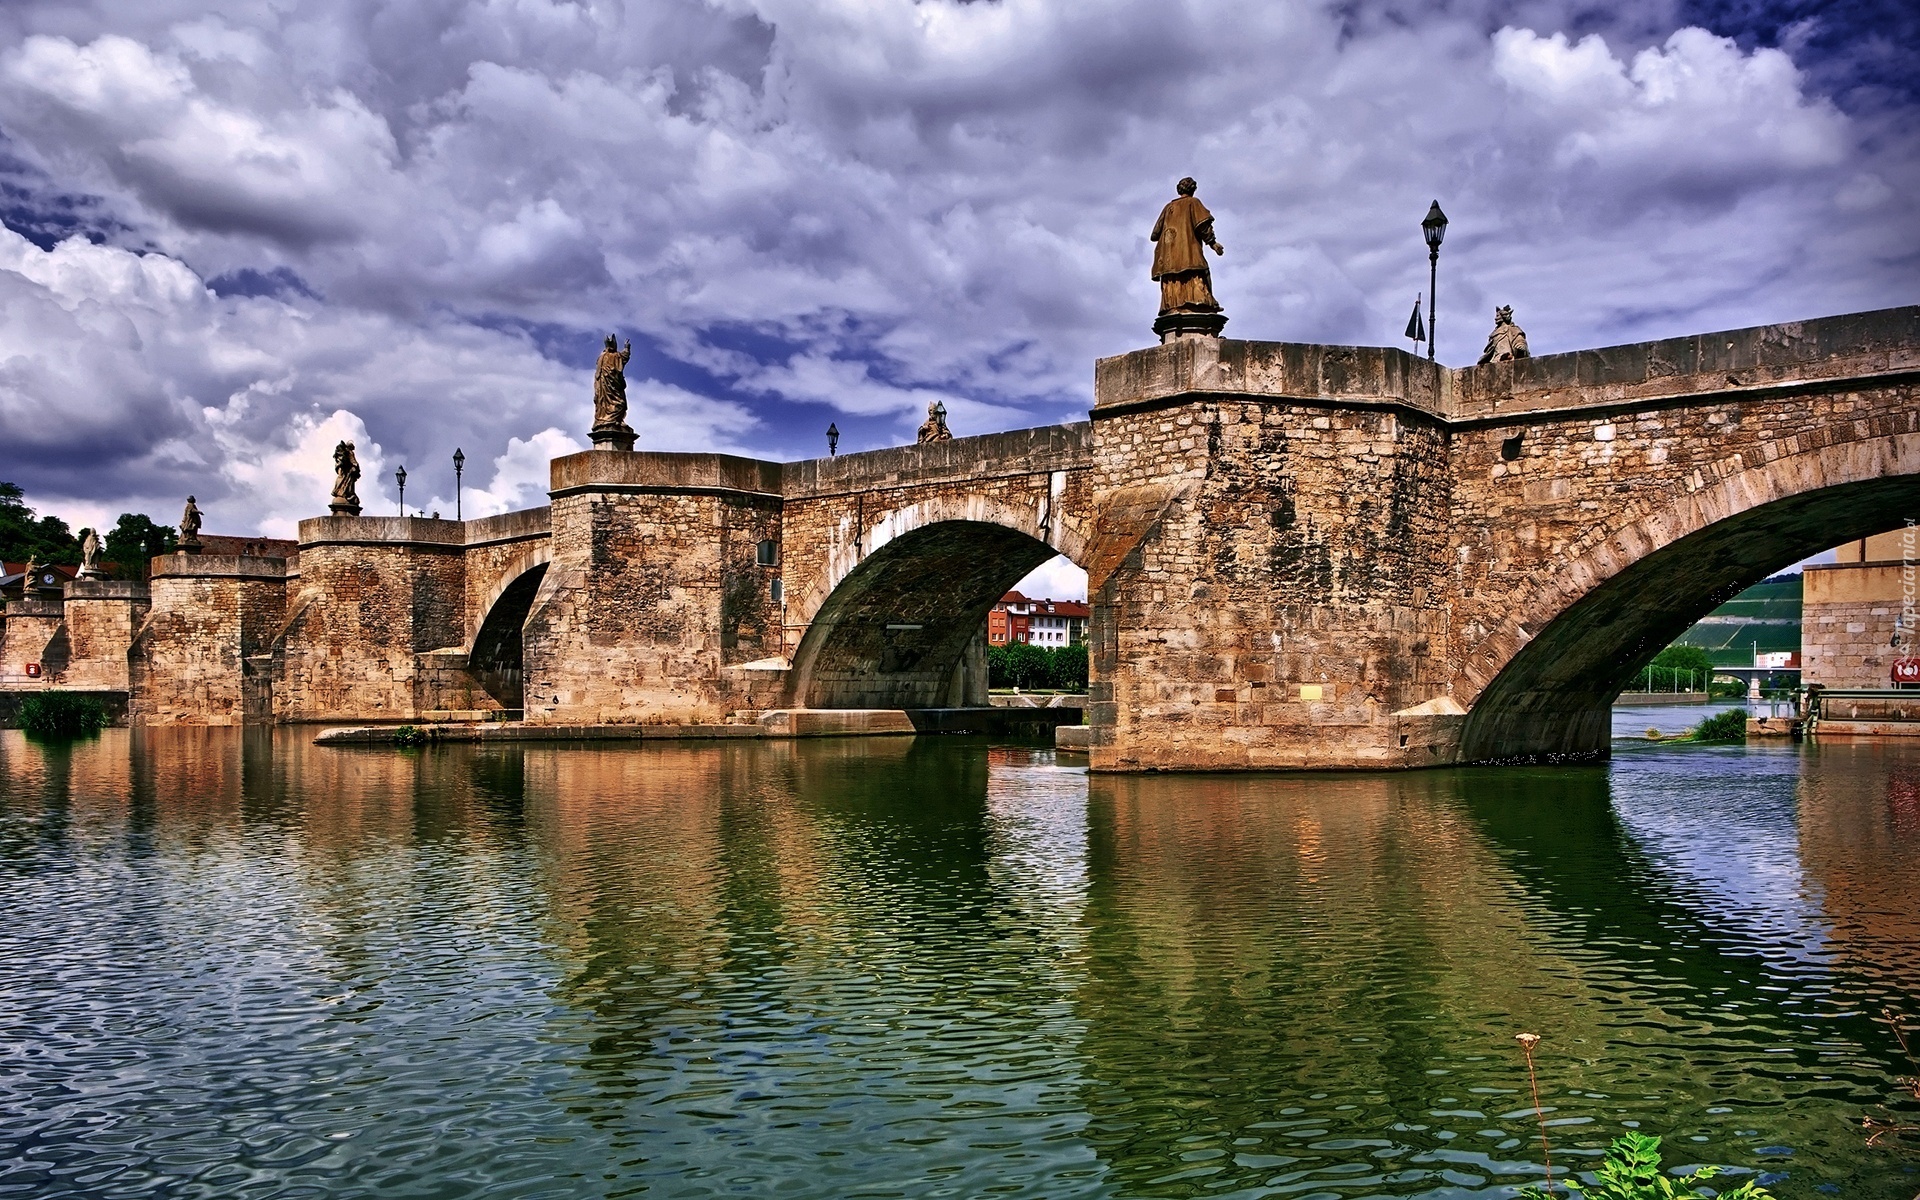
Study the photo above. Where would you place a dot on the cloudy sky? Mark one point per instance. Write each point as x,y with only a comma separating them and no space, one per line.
236,233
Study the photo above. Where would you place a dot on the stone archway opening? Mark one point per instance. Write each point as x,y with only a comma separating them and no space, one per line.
495,660
1553,698
906,628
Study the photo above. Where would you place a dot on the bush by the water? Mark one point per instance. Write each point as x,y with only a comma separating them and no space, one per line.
410,735
62,714
1025,666
1729,726
1631,1171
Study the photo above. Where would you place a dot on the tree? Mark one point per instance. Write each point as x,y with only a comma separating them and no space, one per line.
135,540
23,536
1068,670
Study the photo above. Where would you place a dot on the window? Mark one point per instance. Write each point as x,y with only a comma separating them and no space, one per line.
767,553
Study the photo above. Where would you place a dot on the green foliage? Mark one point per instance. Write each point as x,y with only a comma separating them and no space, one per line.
1678,668
411,735
133,542
62,714
1022,665
1067,668
1631,1171
23,536
1729,726
1684,658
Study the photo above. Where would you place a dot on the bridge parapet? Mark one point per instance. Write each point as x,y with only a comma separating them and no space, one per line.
965,460
1710,367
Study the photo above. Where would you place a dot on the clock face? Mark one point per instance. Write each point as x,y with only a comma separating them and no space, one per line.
48,578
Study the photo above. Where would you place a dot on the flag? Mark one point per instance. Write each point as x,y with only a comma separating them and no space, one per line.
1416,328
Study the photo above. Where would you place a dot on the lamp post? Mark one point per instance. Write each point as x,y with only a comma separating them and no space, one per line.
459,465
1435,229
833,439
400,477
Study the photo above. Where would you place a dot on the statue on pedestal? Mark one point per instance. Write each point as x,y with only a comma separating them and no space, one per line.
610,428
190,528
90,555
1187,306
346,477
1507,341
934,428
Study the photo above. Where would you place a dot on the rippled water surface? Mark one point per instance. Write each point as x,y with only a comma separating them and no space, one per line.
238,965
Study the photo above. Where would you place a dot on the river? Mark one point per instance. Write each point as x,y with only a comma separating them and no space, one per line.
238,965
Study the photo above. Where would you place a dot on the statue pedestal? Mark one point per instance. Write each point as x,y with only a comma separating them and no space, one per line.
1176,325
190,546
613,437
344,508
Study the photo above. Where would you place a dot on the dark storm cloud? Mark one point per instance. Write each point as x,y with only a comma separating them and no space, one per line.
410,223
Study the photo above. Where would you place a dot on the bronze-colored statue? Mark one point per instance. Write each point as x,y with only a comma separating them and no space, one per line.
190,528
346,480
610,428
89,554
1187,305
934,428
1507,341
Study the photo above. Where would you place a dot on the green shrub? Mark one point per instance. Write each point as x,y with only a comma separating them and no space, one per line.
1067,668
410,735
1631,1171
62,714
1729,726
1023,665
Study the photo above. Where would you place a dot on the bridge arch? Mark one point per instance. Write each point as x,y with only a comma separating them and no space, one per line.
494,652
1547,675
896,619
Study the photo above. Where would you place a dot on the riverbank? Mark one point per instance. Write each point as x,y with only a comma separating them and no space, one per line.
777,725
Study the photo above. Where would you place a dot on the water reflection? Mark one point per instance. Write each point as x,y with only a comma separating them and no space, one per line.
239,964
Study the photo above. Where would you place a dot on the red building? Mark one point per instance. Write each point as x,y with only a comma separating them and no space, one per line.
1047,623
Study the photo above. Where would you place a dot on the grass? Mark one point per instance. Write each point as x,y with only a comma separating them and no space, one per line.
62,714
1728,726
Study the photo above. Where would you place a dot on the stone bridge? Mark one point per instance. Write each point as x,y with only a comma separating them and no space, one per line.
1298,556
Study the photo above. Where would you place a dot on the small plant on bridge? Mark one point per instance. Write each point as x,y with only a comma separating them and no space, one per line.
1729,726
1631,1171
62,714
411,735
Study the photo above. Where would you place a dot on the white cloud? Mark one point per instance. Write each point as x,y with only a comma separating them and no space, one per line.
857,206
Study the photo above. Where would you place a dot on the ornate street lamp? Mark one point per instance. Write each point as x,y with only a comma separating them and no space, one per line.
400,477
1435,229
459,465
833,439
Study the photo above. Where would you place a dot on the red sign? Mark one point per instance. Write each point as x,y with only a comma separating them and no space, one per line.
33,670
1906,670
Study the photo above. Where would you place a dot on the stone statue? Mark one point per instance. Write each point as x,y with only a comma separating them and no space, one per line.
1187,306
28,576
190,528
346,479
1507,341
610,428
934,428
89,554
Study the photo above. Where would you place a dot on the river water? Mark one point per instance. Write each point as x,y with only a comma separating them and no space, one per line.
238,965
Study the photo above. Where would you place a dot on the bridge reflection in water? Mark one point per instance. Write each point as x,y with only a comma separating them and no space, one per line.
925,964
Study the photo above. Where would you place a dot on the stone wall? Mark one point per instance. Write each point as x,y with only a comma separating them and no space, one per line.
654,590
28,629
1855,620
374,593
210,614
101,618
1466,566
